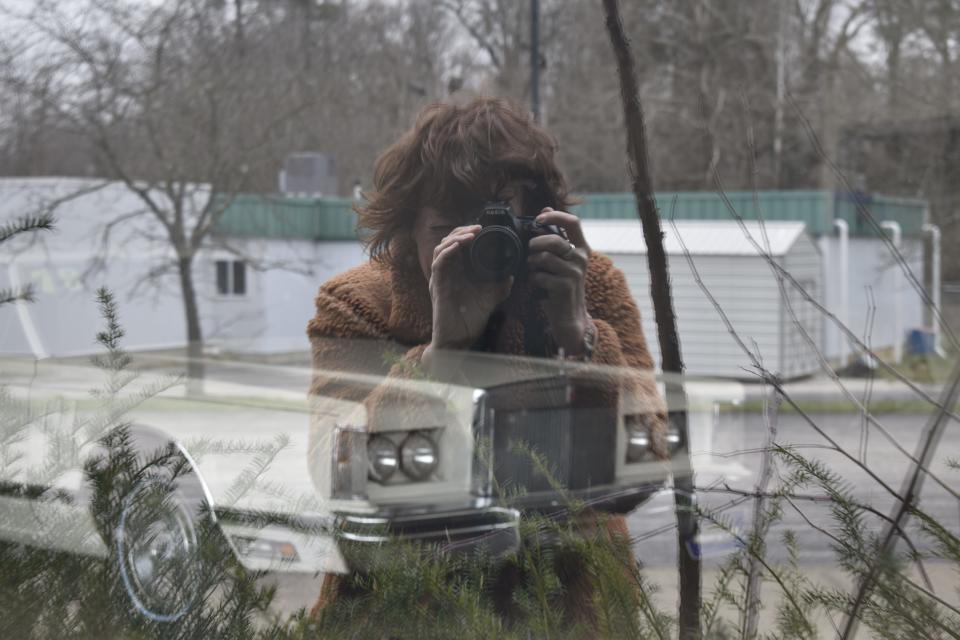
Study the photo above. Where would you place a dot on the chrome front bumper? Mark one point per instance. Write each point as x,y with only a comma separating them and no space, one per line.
492,531
620,498
354,541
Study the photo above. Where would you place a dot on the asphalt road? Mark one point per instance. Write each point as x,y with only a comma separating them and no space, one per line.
730,462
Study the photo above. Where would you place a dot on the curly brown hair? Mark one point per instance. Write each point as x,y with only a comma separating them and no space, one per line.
454,158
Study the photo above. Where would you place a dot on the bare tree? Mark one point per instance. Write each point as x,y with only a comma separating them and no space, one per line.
825,30
688,564
939,20
171,108
500,29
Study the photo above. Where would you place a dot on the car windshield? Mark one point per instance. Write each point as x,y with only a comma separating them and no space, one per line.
479,319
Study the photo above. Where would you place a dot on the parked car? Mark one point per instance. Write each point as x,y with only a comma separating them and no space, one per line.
286,482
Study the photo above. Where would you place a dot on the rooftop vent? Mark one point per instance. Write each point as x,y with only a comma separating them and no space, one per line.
311,174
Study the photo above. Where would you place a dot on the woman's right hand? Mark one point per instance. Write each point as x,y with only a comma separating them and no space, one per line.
461,307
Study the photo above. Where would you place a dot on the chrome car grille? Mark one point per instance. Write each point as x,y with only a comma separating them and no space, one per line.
543,435
573,448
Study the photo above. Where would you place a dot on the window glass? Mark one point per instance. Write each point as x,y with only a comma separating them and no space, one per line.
223,277
352,298
239,277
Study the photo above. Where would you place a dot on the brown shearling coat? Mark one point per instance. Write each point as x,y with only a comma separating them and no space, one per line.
377,307
369,310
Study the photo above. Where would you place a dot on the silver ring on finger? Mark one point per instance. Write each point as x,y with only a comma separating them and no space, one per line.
572,249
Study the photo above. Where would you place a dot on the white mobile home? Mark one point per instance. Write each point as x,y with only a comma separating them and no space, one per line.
257,278
255,296
743,285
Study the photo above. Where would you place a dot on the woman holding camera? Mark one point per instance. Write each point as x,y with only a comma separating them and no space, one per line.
424,219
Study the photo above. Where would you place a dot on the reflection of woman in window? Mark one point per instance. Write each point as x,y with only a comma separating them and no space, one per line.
415,290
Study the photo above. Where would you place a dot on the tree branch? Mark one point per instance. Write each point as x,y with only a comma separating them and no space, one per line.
638,166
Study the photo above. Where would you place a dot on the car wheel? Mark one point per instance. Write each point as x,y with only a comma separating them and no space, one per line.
157,520
157,549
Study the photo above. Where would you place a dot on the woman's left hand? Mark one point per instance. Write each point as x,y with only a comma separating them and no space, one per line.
559,267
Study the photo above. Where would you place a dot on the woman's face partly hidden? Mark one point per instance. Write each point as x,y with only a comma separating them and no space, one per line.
432,225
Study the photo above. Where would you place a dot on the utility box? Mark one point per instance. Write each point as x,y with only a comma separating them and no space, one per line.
921,341
309,174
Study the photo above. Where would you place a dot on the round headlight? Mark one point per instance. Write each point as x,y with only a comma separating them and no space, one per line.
418,455
673,439
382,458
638,442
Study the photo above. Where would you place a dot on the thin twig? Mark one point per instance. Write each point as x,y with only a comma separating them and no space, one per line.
773,574
760,525
910,493
934,429
827,499
871,377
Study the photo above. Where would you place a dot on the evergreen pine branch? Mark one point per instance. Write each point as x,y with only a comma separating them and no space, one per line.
947,543
26,224
248,479
117,359
26,294
895,601
659,622
21,225
721,593
808,630
855,551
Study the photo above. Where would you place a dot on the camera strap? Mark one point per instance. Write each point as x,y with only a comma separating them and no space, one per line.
534,331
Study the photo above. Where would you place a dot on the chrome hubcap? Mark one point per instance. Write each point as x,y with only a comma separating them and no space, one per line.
157,549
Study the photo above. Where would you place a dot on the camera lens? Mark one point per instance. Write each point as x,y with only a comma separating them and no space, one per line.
495,253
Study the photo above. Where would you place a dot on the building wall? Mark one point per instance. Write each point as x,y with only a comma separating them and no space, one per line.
743,287
272,315
872,272
65,319
801,321
272,318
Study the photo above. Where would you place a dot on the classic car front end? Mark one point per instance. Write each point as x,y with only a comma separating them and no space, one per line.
455,464
287,483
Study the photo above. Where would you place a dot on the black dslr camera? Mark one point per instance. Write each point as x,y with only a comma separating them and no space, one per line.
500,249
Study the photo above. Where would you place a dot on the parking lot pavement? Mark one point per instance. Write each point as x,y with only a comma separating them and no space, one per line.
822,389
942,576
730,457
295,591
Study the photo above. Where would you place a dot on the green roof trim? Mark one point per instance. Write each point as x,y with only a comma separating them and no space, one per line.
282,217
333,219
817,209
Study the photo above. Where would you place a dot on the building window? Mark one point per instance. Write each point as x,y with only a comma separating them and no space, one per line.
239,277
231,277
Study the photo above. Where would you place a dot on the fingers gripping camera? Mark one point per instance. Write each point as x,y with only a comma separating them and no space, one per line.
500,249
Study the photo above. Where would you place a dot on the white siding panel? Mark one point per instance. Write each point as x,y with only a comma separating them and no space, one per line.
872,270
65,318
802,322
290,296
700,237
232,321
273,316
744,289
